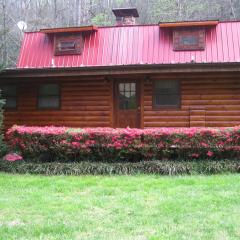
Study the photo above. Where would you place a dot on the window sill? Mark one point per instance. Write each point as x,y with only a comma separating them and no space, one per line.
169,108
10,109
48,109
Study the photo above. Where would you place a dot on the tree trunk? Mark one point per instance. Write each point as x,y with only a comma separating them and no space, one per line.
232,9
55,12
5,60
77,15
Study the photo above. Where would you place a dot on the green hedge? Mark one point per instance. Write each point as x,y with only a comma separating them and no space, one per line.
145,167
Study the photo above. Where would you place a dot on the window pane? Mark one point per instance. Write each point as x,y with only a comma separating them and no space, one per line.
66,46
166,87
127,102
49,90
10,90
127,86
127,96
166,93
49,102
9,93
133,93
189,40
166,100
133,87
121,87
11,102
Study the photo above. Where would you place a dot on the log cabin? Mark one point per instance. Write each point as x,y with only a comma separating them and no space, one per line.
176,74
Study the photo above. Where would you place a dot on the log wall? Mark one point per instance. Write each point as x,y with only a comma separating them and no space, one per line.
84,103
205,102
88,102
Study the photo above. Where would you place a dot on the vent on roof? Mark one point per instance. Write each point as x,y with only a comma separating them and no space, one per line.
125,16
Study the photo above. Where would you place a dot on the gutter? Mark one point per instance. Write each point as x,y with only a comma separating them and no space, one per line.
121,70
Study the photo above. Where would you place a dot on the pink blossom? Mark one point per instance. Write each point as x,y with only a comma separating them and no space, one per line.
210,153
204,144
76,144
177,140
117,145
12,157
90,142
195,155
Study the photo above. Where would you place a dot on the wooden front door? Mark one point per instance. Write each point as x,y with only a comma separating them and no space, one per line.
127,104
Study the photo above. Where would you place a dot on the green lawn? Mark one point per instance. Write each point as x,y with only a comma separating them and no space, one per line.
119,207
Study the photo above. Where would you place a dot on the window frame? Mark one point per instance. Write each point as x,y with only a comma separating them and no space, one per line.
39,96
167,107
76,38
16,97
136,93
178,34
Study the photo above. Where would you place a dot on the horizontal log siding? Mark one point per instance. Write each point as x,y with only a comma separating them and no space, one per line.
88,102
83,104
211,102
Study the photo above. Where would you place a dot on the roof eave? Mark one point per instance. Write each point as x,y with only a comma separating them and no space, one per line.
117,70
207,23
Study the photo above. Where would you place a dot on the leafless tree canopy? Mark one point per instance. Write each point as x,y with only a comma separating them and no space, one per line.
53,13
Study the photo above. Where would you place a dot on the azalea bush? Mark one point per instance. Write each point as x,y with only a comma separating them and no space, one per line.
3,147
107,144
12,157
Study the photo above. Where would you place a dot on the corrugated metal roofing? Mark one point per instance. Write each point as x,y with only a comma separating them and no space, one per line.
131,45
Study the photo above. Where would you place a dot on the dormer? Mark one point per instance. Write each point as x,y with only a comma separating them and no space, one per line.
189,36
69,41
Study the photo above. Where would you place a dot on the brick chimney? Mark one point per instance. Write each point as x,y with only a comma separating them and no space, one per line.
125,16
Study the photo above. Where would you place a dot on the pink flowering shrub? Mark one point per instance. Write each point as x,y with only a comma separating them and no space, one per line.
12,157
109,144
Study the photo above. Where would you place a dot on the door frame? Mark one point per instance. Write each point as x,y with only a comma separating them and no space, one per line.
116,103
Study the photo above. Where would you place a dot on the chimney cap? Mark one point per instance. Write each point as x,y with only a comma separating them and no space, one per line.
125,12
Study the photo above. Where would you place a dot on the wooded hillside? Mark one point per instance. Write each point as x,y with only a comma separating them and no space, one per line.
52,13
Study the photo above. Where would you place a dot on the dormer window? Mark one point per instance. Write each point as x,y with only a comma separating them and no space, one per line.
189,40
189,36
70,40
68,44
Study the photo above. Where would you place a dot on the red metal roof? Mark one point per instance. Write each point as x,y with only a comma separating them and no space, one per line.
131,45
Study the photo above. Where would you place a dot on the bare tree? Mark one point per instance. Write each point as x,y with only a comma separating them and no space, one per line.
232,9
4,33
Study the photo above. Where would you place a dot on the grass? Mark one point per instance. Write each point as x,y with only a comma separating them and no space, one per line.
119,207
